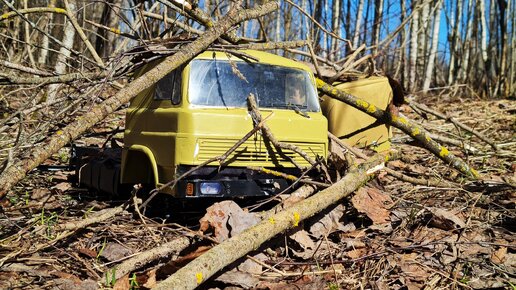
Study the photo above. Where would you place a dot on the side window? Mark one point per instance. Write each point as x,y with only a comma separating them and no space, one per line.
176,93
169,87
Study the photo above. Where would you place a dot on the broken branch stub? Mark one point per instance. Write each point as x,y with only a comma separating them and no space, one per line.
220,256
19,169
404,124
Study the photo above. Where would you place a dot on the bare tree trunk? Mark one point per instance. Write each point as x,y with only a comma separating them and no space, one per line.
483,42
503,23
358,23
287,22
413,47
47,21
467,45
403,41
304,25
456,32
347,20
366,22
433,49
511,52
277,32
28,46
512,80
336,29
378,17
64,52
326,48
423,37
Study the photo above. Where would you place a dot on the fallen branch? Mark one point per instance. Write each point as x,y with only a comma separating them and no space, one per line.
19,169
65,230
202,268
399,175
404,124
454,122
142,259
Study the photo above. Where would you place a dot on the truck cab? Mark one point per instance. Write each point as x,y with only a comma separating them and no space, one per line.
199,111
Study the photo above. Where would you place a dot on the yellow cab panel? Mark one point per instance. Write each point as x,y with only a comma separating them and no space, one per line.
199,111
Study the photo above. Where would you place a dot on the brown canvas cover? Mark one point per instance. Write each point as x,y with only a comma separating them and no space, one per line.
354,127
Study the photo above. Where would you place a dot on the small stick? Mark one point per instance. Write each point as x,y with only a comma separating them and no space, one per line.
454,121
175,246
400,176
314,58
288,176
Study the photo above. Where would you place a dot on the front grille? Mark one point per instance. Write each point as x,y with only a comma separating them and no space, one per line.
256,151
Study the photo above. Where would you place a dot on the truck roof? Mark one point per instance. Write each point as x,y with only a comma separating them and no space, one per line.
263,57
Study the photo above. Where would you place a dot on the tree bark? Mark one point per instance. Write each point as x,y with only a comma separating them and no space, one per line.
356,36
205,266
378,17
336,29
433,49
64,53
18,170
456,32
413,47
467,45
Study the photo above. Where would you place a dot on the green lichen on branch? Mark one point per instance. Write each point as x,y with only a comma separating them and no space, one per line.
402,123
205,266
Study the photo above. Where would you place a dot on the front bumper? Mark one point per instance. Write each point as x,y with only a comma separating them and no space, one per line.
230,188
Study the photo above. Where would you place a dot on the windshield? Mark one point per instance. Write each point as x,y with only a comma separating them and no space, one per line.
222,84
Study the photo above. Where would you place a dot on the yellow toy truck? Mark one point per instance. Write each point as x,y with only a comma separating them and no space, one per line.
199,111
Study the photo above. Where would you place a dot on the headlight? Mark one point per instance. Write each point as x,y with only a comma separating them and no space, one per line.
210,188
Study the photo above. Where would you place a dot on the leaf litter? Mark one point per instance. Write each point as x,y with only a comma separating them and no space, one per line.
389,235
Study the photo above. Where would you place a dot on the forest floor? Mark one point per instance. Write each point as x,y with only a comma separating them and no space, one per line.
389,235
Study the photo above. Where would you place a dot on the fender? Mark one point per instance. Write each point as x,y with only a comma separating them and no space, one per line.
147,152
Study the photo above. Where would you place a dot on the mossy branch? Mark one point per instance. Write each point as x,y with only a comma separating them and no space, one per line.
404,124
220,256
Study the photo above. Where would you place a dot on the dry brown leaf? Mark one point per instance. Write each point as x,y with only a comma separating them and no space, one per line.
499,256
250,266
307,244
415,168
115,251
150,280
87,252
62,186
445,220
234,277
356,253
373,203
39,193
68,276
122,283
397,164
329,223
222,214
67,284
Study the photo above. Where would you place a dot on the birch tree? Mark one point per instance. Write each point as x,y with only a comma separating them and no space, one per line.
378,17
413,46
435,43
356,35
